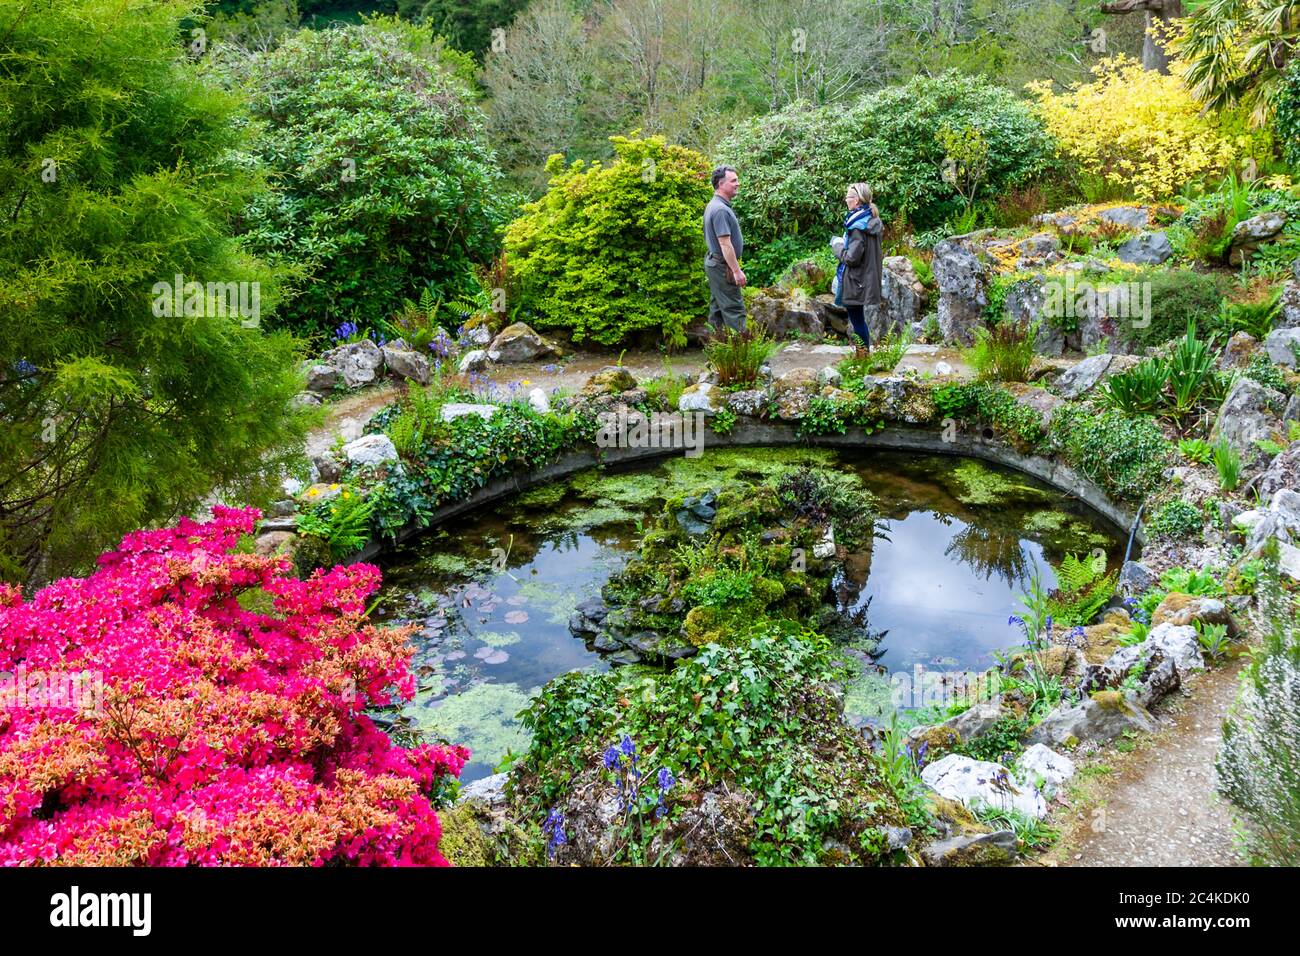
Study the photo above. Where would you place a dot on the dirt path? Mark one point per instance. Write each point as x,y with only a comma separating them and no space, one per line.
1159,806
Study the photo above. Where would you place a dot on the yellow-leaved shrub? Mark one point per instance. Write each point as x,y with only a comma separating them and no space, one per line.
1142,131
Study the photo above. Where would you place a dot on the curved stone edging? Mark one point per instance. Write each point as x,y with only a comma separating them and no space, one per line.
777,433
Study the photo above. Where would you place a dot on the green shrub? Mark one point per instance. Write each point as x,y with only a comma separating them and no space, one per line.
1254,318
993,405
1178,296
794,164
757,716
1177,519
383,180
1286,118
765,264
1261,369
615,249
1125,456
120,170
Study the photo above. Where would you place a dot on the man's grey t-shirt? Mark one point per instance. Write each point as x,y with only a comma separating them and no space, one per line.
720,220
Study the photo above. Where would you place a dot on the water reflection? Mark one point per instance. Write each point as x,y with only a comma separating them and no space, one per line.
492,593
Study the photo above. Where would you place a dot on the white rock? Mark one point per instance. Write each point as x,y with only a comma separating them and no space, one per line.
454,410
1040,761
1289,560
1278,344
829,375
975,782
703,397
825,349
479,335
370,450
539,401
1247,520
474,360
825,548
942,368
357,361
1180,645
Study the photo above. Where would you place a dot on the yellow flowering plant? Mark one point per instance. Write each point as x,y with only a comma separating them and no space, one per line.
1143,131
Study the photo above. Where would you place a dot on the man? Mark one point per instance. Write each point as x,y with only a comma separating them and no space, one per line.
725,247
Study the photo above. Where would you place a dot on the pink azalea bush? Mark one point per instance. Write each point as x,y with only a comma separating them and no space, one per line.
223,735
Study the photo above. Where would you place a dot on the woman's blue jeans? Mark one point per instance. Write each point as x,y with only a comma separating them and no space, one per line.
858,320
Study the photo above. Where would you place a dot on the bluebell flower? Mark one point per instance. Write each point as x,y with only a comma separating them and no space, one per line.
553,830
612,758
345,331
665,779
24,368
627,746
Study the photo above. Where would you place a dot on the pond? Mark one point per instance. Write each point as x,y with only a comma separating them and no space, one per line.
492,593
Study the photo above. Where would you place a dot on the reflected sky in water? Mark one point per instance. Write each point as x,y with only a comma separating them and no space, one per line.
492,592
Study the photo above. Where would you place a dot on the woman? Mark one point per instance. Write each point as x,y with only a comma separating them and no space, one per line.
859,271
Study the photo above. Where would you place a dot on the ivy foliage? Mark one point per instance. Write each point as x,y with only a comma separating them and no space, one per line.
615,249
759,716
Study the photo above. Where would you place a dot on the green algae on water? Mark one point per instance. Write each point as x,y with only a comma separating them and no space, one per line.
975,483
498,638
481,718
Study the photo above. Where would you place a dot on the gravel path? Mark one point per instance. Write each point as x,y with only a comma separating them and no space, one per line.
1162,808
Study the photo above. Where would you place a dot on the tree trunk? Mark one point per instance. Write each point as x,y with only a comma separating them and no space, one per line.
1156,13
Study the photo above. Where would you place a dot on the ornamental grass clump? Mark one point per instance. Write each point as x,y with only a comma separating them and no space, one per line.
1004,352
205,733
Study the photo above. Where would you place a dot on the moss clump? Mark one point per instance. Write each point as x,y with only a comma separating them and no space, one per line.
1112,700
1064,531
954,814
975,483
462,842
542,497
1103,640
472,836
939,740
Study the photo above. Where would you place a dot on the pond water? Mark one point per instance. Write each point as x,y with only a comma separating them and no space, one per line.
492,592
